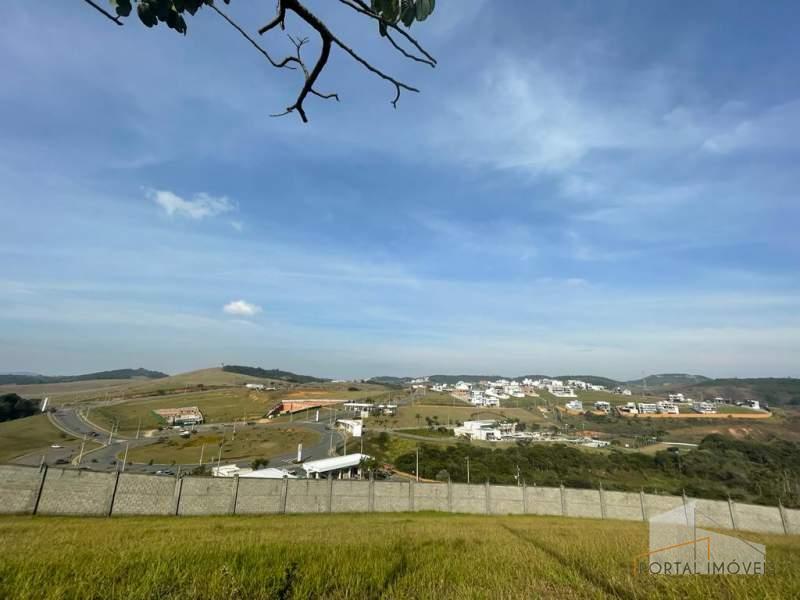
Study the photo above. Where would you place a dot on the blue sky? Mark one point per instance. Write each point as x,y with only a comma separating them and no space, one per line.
605,188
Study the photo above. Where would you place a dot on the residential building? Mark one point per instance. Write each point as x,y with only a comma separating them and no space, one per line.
576,405
705,408
337,467
646,408
602,406
668,408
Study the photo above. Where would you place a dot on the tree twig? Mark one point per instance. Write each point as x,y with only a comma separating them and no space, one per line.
103,11
246,36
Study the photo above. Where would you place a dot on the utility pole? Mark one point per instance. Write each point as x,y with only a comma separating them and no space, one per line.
202,450
80,454
468,470
138,428
125,458
362,444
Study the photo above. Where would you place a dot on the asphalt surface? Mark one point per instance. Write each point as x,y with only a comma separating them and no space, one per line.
106,457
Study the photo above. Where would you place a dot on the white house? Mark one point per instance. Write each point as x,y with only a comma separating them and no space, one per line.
628,409
647,409
574,405
677,398
489,431
463,386
255,386
602,406
668,408
705,408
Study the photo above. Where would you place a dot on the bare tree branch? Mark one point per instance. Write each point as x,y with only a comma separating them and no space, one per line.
328,39
103,11
248,38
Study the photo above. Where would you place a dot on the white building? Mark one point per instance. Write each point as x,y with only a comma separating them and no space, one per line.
647,408
353,427
628,409
705,408
489,431
754,404
677,398
255,386
626,392
602,406
574,405
337,467
269,473
463,386
668,408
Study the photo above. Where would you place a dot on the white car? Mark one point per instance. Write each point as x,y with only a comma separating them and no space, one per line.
56,446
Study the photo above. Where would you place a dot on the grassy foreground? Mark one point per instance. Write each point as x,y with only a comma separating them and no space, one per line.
354,556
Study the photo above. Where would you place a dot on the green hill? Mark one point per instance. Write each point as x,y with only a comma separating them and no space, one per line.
116,374
273,374
667,380
772,390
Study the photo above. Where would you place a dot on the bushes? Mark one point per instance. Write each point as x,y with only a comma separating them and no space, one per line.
13,406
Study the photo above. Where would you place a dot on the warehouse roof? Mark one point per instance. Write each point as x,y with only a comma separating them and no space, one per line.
333,464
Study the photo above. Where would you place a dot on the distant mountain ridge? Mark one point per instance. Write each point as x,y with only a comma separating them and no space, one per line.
668,379
115,374
273,374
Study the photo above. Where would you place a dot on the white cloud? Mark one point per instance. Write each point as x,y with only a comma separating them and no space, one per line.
240,308
202,205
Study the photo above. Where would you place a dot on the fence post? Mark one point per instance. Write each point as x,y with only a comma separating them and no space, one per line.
644,507
685,506
603,514
449,495
235,495
488,498
284,494
177,494
563,501
110,508
41,487
371,492
733,513
330,494
524,499
784,520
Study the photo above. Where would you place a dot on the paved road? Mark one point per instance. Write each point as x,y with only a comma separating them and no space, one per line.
106,458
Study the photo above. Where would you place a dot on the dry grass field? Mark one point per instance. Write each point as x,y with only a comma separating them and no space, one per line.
250,442
395,556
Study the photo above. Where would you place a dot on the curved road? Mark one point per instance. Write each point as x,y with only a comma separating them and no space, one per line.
105,458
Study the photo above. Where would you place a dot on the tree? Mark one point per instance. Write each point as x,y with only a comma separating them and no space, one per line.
13,406
259,463
392,17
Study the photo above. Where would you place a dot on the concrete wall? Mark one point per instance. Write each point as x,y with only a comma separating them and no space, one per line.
392,496
583,503
260,496
145,495
207,496
623,505
468,498
19,488
792,518
71,492
29,490
544,501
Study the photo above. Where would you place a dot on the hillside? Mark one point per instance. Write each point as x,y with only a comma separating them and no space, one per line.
272,374
592,379
450,379
666,380
115,374
773,391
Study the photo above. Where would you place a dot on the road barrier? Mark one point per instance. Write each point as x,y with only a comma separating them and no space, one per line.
62,491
